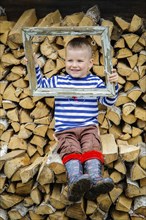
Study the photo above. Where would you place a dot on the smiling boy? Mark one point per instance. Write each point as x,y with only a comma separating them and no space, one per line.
76,122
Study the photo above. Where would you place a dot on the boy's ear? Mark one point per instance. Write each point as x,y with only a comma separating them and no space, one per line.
91,62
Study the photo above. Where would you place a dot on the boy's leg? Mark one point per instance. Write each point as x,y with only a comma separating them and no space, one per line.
70,152
93,160
93,163
78,183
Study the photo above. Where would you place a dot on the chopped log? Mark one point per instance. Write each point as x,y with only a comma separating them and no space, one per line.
136,24
109,148
13,115
142,182
122,99
133,60
35,216
11,166
9,200
120,166
24,116
2,181
27,103
128,108
104,202
137,172
9,94
76,211
61,178
141,58
116,192
24,189
133,189
7,135
123,53
73,19
38,141
124,25
134,75
44,209
123,203
119,215
130,39
9,59
36,195
31,170
142,155
120,43
11,155
128,153
114,115
3,214
129,119
55,163
134,93
99,70
17,143
40,111
91,17
136,131
43,178
98,214
24,133
55,198
140,113
6,26
17,212
49,66
27,19
91,207
7,104
128,85
123,69
142,84
58,215
127,128
116,176
135,140
140,206
134,216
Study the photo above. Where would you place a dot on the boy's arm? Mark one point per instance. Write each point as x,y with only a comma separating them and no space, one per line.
109,101
42,82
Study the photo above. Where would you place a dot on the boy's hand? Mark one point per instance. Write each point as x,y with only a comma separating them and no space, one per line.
35,56
113,78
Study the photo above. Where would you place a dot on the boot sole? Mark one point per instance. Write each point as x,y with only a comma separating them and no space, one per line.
78,190
100,188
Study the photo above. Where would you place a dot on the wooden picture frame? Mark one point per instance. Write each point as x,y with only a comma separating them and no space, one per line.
29,33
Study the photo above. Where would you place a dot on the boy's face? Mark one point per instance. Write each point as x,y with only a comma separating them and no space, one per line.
78,61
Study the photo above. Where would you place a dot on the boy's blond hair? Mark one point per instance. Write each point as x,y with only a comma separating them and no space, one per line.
80,42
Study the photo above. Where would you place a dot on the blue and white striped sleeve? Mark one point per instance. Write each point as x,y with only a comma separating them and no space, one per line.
44,82
109,101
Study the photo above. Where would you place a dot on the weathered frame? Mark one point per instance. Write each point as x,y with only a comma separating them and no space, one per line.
29,33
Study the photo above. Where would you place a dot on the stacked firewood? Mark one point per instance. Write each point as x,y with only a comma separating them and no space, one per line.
33,178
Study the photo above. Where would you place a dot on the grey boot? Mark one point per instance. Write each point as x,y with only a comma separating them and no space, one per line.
100,185
78,182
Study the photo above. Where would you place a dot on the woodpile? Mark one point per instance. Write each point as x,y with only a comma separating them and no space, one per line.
33,178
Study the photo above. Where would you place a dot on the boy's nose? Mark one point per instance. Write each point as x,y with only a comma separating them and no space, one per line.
74,63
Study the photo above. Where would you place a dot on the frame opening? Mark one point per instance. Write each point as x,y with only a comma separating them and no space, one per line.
29,36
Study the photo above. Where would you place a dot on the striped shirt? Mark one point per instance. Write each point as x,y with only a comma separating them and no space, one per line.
75,112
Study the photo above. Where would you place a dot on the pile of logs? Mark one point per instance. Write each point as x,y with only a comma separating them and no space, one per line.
33,178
